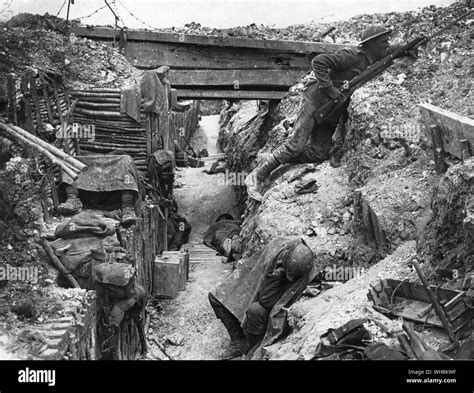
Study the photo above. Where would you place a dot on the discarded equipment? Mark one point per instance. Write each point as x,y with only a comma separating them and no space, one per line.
171,272
412,302
415,347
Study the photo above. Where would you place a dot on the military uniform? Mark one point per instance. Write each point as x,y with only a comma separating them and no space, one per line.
245,300
329,70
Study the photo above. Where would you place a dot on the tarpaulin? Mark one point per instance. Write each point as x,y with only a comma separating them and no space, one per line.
130,101
106,173
153,92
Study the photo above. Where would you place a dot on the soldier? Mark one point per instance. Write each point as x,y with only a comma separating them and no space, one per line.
331,71
256,291
223,236
106,173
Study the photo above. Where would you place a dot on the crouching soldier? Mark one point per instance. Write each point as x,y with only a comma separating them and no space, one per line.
260,290
331,72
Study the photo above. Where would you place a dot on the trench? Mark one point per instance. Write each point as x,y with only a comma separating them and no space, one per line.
186,326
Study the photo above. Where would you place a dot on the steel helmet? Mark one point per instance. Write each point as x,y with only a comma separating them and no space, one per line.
299,260
372,32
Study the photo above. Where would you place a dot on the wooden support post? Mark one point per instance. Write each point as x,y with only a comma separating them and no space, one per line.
11,99
48,104
67,99
156,142
454,129
438,149
58,102
165,229
173,98
34,98
54,191
148,123
465,149
25,87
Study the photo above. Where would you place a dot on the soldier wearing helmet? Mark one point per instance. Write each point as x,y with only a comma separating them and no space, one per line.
331,72
244,301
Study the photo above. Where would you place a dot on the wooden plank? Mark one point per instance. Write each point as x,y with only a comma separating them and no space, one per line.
26,90
58,102
438,148
204,40
12,115
235,78
231,94
48,103
454,128
466,151
149,151
34,98
155,54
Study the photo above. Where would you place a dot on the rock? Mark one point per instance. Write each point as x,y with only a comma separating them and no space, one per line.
26,310
174,339
311,292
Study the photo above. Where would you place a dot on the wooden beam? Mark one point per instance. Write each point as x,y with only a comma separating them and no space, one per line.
237,78
438,148
12,115
146,54
26,90
204,40
454,128
230,94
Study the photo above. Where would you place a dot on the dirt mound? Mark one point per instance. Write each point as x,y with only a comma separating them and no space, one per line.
39,43
36,22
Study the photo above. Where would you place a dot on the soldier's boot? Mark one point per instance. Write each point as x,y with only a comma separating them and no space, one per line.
237,339
73,204
255,180
128,210
251,340
335,156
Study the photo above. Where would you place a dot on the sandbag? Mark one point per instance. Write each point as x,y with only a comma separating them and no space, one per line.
84,224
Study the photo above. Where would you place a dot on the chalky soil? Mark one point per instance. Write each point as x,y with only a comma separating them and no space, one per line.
186,327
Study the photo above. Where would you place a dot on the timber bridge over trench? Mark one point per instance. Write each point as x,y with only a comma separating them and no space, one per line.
208,67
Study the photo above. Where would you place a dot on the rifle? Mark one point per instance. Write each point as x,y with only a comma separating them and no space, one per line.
373,71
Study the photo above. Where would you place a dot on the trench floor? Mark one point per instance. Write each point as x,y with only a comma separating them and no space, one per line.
186,328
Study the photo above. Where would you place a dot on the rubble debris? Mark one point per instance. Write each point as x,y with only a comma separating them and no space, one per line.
174,339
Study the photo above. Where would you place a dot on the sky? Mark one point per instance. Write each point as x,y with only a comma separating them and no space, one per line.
214,13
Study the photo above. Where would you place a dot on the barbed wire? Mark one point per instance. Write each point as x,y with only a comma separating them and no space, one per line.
7,8
117,14
88,16
61,7
133,16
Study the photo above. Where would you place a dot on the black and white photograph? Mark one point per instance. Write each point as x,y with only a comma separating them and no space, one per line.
237,187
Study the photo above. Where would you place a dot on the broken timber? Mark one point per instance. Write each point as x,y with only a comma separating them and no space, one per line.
456,132
234,64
